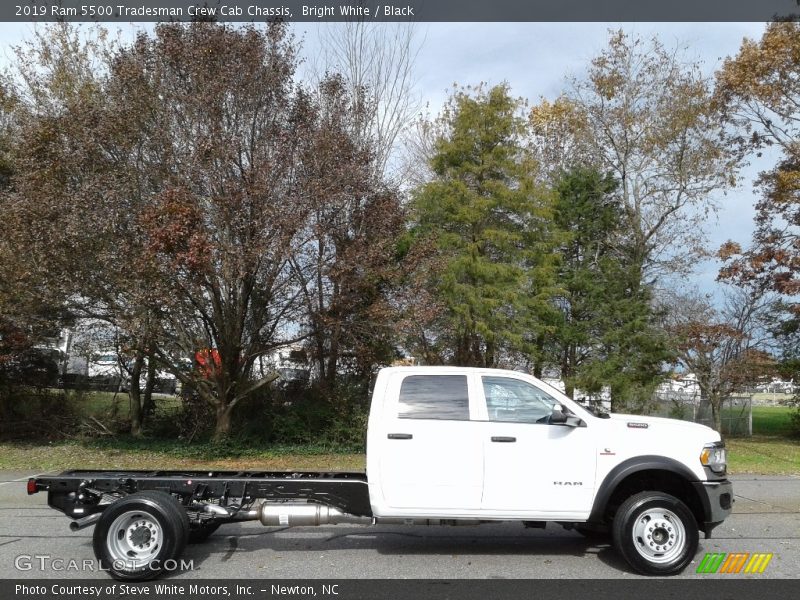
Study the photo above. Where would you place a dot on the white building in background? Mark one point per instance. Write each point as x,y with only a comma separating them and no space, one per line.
684,387
580,396
73,352
291,361
90,349
680,385
777,386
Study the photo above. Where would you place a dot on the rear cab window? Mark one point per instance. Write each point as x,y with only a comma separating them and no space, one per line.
436,397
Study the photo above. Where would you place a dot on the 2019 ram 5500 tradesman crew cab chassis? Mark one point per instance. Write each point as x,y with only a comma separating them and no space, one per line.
445,445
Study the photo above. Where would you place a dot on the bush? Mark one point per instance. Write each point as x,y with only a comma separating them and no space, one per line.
191,419
31,412
794,416
306,415
294,415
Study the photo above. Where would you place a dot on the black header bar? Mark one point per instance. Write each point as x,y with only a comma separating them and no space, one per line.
123,11
398,589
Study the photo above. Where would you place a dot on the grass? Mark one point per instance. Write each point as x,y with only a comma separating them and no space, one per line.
126,453
80,451
771,420
772,397
103,404
771,450
763,455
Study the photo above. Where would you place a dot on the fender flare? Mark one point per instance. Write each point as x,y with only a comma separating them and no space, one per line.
629,467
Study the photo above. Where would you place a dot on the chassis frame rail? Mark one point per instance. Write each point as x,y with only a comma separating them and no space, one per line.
78,494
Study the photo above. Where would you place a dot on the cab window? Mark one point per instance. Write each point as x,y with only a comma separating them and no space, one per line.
434,397
515,401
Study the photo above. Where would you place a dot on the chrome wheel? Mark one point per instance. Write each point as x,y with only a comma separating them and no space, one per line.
659,535
134,538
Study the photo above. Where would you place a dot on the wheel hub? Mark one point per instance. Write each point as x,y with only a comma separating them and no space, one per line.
659,535
140,535
134,538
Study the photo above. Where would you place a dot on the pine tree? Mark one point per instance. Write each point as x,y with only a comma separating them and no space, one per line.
606,334
491,224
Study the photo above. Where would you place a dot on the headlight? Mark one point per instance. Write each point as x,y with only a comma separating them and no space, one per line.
715,457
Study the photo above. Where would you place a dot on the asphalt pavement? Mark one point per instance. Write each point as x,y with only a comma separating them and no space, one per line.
766,519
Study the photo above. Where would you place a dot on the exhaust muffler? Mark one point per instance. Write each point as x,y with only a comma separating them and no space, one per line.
298,515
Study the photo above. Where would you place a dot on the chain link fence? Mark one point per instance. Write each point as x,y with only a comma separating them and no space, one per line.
736,410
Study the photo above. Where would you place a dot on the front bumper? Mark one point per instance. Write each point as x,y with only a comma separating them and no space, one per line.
717,500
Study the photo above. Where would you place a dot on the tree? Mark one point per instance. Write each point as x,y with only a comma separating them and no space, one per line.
33,299
787,338
74,204
347,257
758,93
723,348
376,62
490,223
8,103
217,130
757,90
178,201
644,115
606,333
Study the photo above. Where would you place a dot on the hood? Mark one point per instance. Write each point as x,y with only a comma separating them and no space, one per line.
659,424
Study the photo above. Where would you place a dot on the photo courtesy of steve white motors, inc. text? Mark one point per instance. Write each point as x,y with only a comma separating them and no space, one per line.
171,589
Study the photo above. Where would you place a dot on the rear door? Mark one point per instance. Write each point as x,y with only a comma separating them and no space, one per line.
431,454
530,465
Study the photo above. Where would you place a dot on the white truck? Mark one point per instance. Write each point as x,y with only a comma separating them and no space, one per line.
445,446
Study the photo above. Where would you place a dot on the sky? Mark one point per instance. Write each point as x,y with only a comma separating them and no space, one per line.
534,59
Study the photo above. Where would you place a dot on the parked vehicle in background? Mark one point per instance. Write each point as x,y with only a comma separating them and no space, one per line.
111,371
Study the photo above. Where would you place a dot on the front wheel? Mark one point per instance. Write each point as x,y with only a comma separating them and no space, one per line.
655,533
137,536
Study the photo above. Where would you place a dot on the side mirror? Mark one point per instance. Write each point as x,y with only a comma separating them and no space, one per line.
557,417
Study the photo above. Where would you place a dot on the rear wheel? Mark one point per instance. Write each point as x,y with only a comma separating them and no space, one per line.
137,535
656,533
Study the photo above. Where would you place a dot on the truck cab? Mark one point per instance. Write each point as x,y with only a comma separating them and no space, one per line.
488,444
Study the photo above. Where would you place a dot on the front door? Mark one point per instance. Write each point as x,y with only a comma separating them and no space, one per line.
532,465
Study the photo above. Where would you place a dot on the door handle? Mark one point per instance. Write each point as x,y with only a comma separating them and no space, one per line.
400,436
503,438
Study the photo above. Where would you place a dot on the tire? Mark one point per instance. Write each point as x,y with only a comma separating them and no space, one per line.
655,533
136,535
201,533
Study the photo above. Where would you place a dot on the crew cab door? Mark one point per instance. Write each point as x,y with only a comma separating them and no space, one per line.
530,465
430,451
